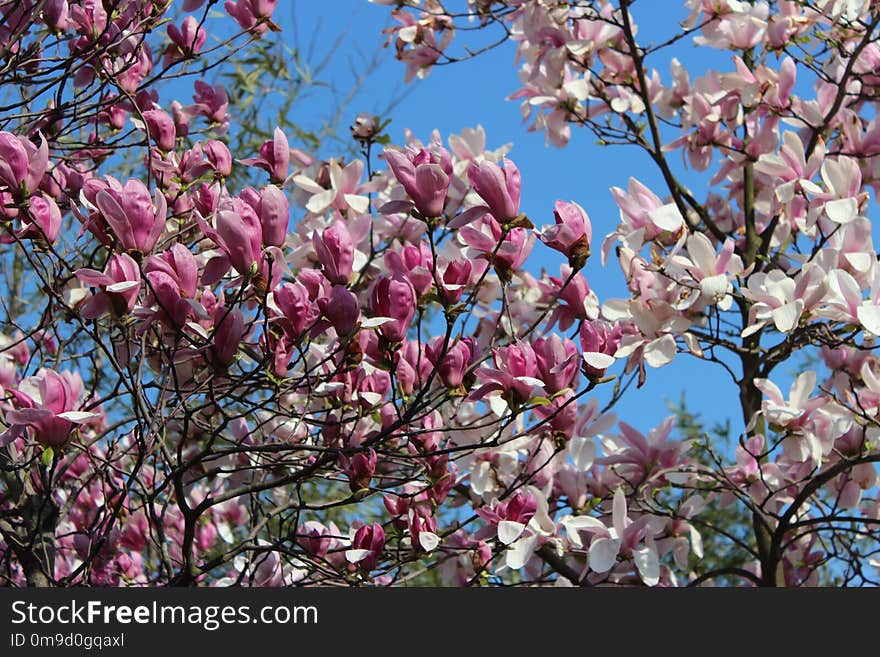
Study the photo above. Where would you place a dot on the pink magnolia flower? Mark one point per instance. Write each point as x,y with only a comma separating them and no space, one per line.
342,309
179,264
416,40
558,362
515,246
600,340
366,547
251,15
212,103
515,375
571,234
455,276
335,250
239,234
359,469
341,190
393,297
510,517
48,404
454,363
415,262
22,164
621,538
229,329
296,308
186,40
274,157
136,219
636,458
424,174
43,220
118,287
499,188
161,128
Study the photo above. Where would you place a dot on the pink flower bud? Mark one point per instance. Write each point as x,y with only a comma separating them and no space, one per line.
367,546
393,297
161,128
341,309
359,469
119,286
571,234
274,216
424,175
219,157
22,165
558,362
454,364
240,236
299,312
45,220
365,127
499,188
136,221
229,329
335,250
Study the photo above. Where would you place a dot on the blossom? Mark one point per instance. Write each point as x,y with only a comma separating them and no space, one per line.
136,219
571,234
424,174
48,404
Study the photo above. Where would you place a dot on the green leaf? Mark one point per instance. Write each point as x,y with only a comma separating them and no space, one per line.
48,456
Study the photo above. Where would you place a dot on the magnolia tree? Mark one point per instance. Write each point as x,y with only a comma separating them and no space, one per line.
350,371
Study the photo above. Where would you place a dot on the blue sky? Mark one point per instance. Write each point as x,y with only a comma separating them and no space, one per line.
453,97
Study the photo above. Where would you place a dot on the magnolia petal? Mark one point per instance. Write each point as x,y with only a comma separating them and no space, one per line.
667,217
842,211
598,360
582,451
77,417
660,352
353,556
428,541
603,554
786,317
393,207
869,316
122,286
509,531
519,553
648,564
375,322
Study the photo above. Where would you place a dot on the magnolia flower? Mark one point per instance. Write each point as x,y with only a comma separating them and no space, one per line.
571,234
136,219
424,174
118,287
48,404
622,537
498,188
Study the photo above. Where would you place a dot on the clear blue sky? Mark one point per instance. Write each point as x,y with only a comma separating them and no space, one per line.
454,97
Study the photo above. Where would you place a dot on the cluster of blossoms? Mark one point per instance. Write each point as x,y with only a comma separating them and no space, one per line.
214,370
